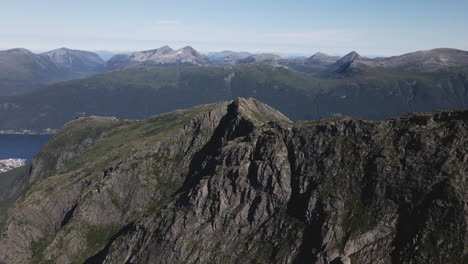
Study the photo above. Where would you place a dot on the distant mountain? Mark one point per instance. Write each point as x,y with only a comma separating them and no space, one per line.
260,57
322,58
162,56
436,60
227,57
117,61
106,55
347,63
77,62
139,92
22,71
316,63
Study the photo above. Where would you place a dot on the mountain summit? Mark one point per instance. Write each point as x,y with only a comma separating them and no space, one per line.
22,70
345,63
81,63
237,182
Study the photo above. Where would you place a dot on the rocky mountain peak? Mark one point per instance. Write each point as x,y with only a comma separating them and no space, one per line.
349,57
346,64
256,111
173,187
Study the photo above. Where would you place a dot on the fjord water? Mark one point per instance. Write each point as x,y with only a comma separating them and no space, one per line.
21,146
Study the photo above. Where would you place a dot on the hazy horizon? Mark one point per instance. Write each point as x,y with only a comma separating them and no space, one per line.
106,54
301,28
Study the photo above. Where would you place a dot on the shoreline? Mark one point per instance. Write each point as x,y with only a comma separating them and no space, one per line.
28,132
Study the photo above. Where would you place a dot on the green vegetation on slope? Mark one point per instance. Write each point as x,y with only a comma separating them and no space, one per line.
138,93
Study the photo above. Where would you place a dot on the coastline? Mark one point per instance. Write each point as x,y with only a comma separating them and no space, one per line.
48,131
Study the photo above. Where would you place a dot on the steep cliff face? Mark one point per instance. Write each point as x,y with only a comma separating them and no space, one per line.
238,182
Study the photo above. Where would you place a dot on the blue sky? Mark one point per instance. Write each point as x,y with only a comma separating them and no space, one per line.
374,28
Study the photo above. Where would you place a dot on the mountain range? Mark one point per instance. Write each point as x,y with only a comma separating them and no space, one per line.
239,182
22,71
151,82
436,60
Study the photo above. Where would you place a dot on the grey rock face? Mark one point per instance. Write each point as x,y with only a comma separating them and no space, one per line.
238,182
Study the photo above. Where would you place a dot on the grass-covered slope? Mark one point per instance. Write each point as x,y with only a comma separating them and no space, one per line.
141,92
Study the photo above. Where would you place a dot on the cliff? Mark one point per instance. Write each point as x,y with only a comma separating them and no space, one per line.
238,182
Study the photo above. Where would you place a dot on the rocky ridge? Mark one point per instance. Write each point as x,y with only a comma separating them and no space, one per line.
238,182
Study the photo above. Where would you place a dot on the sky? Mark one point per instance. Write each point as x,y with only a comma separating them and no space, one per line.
294,27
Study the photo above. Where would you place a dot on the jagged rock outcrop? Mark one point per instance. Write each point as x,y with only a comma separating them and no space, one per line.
238,182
